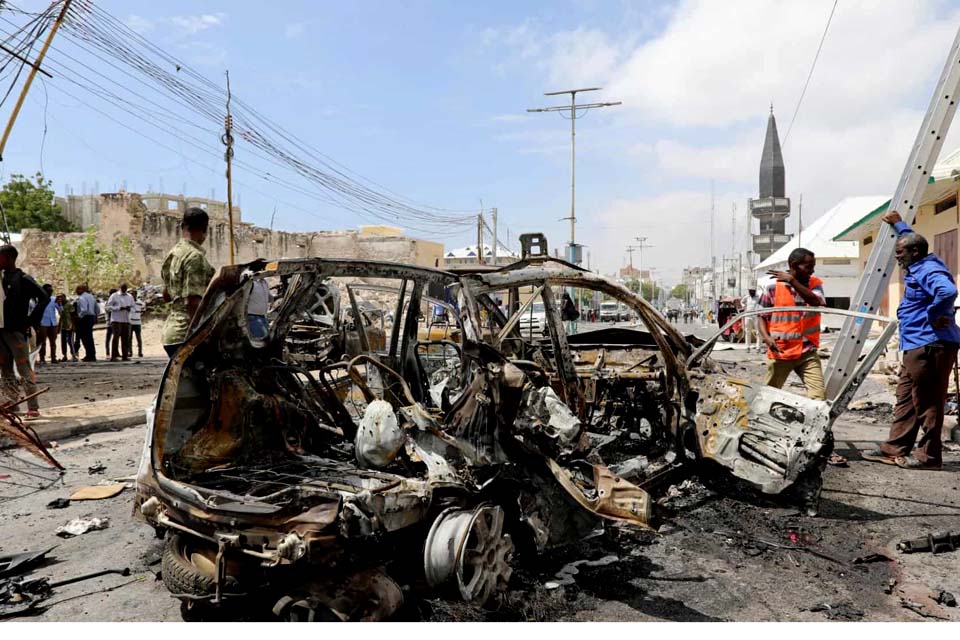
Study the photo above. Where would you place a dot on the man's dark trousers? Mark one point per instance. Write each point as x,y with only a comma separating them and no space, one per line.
121,335
921,392
85,331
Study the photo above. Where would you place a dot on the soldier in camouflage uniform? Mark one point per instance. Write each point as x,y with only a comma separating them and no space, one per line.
186,274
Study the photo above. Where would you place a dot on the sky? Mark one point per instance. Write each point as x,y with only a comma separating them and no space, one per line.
428,99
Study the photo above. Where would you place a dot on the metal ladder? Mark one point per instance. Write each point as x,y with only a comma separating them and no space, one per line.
916,174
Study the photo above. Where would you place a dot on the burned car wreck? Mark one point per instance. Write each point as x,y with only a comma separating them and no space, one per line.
363,449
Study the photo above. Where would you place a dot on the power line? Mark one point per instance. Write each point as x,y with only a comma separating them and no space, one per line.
810,75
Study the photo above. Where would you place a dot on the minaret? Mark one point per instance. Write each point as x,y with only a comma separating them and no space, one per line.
772,208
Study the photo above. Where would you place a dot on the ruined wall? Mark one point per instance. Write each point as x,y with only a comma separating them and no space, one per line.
154,232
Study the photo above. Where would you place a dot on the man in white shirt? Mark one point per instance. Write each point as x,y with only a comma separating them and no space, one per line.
136,323
751,302
118,306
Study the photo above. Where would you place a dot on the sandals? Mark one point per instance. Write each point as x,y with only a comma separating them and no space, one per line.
909,462
877,455
904,462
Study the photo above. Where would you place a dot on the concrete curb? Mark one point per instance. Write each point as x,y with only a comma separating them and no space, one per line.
84,426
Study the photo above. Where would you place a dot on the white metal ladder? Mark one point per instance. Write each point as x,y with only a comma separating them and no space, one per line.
916,174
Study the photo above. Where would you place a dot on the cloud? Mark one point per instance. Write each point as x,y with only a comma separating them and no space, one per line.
696,95
194,24
139,23
293,30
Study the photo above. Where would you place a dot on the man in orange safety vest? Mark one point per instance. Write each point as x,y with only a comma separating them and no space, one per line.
793,337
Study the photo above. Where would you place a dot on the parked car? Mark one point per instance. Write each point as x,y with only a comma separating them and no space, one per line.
534,321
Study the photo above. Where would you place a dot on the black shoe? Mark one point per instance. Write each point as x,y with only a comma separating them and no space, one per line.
88,360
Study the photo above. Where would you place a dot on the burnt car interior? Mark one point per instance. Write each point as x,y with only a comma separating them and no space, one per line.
402,419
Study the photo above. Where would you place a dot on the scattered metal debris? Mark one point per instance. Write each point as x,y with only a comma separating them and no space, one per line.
566,575
839,610
19,562
59,503
80,526
873,557
941,542
947,599
96,467
22,434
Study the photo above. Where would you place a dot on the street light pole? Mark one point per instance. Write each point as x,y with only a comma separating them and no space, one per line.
573,109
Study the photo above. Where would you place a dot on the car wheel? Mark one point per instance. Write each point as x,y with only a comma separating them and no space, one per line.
190,569
468,552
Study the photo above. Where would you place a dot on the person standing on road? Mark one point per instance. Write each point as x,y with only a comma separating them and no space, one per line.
49,325
258,304
118,309
929,339
106,344
186,274
793,337
136,324
87,312
751,302
18,291
67,313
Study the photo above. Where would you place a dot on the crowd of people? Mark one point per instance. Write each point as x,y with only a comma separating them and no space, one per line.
35,321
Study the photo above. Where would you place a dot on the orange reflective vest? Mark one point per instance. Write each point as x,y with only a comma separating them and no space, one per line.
789,328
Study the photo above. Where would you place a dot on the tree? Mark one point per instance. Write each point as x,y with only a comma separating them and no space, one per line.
679,291
650,291
85,261
633,284
29,205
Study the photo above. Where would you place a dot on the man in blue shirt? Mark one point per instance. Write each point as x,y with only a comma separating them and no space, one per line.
49,327
929,338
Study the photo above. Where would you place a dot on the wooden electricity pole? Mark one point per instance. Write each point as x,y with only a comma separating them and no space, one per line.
33,72
228,156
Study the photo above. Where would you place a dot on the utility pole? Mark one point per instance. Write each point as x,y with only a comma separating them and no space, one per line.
34,67
227,140
713,256
641,247
493,212
800,222
573,109
480,237
630,250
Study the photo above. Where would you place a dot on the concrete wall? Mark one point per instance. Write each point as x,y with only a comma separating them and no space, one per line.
929,225
153,233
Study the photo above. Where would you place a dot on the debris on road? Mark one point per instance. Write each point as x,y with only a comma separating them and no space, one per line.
97,467
23,435
839,610
98,492
873,557
80,526
59,503
922,600
11,565
947,599
566,575
935,543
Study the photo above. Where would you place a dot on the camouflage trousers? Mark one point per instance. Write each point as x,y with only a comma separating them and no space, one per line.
15,352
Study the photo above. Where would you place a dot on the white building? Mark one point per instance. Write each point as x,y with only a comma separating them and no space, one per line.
836,261
469,255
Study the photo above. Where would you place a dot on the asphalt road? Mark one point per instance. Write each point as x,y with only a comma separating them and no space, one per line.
719,556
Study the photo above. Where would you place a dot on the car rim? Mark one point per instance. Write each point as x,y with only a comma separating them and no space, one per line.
468,549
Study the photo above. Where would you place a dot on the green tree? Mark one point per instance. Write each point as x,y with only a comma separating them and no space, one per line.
650,291
85,261
679,291
633,284
28,204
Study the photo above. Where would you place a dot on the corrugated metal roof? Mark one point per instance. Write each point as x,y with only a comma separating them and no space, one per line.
819,236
